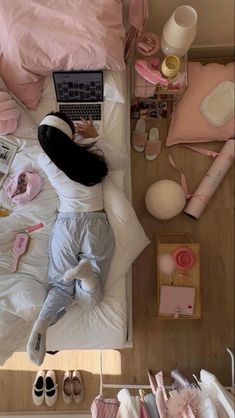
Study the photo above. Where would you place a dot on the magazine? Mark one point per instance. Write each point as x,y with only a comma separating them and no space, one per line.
7,154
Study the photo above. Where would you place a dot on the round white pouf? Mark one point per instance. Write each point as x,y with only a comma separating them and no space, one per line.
165,199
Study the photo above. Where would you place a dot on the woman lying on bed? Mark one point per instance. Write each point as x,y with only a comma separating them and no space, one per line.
82,242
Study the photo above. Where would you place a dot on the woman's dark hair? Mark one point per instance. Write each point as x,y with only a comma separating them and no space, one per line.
78,162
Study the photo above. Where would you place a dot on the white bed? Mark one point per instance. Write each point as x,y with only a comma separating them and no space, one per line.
109,325
22,293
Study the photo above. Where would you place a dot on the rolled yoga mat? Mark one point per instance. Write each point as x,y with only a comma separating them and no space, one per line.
211,181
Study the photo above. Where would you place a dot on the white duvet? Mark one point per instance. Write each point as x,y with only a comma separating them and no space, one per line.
22,293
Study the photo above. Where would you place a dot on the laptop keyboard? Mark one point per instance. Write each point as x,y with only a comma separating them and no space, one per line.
77,111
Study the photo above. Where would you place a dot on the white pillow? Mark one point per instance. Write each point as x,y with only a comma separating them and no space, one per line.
130,238
113,87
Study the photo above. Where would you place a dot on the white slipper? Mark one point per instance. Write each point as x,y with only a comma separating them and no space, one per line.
51,394
38,392
153,145
78,391
139,136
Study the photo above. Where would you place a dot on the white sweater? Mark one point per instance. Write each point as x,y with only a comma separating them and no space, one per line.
74,196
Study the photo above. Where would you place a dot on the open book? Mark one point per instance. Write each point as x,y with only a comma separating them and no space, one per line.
7,153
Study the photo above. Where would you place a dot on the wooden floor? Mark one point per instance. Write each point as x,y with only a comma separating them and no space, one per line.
158,344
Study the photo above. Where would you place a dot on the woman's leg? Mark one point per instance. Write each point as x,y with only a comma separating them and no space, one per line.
84,272
97,247
63,249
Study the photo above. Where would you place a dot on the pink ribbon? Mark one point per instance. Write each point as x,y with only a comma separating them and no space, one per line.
183,180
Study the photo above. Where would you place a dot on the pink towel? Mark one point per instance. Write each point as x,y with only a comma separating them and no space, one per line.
104,408
9,114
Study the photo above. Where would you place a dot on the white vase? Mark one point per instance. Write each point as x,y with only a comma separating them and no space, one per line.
179,31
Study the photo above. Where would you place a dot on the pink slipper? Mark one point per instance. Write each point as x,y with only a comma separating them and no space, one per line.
139,136
151,75
153,145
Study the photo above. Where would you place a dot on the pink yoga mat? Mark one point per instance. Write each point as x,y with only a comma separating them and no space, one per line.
211,181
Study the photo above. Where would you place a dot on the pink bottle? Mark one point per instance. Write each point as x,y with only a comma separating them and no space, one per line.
19,248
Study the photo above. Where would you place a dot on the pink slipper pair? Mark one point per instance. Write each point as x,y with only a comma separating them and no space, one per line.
148,143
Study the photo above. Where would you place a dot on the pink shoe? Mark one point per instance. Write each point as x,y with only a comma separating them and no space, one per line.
151,75
139,136
153,145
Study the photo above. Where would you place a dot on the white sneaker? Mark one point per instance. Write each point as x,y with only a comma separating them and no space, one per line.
51,388
78,391
67,387
38,391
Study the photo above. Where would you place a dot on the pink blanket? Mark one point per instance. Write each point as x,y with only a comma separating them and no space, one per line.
39,36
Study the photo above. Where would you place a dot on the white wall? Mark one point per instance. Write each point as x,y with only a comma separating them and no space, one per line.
215,20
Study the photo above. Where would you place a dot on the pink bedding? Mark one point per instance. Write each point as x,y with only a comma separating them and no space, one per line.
39,36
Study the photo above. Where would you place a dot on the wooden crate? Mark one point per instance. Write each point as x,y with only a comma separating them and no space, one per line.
167,243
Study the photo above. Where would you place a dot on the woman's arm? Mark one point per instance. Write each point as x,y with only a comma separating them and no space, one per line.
114,158
57,178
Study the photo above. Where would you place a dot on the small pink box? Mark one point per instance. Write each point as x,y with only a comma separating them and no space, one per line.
176,301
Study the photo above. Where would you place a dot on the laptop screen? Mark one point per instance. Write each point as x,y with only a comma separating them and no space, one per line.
78,86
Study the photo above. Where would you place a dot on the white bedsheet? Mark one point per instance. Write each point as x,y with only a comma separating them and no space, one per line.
22,293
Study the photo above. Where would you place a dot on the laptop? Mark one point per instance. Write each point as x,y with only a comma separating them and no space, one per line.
80,94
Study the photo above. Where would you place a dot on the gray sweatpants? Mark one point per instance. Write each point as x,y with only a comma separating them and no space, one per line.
76,236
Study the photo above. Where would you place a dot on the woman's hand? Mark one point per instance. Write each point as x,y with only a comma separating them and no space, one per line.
86,128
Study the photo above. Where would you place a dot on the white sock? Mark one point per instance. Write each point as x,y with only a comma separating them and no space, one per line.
83,271
36,347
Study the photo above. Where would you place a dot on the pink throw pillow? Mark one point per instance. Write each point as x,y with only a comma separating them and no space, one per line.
188,125
29,93
9,114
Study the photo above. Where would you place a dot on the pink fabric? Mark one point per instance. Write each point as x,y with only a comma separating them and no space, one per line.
138,13
137,17
143,410
188,413
40,36
185,403
104,408
188,125
157,387
33,186
9,114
